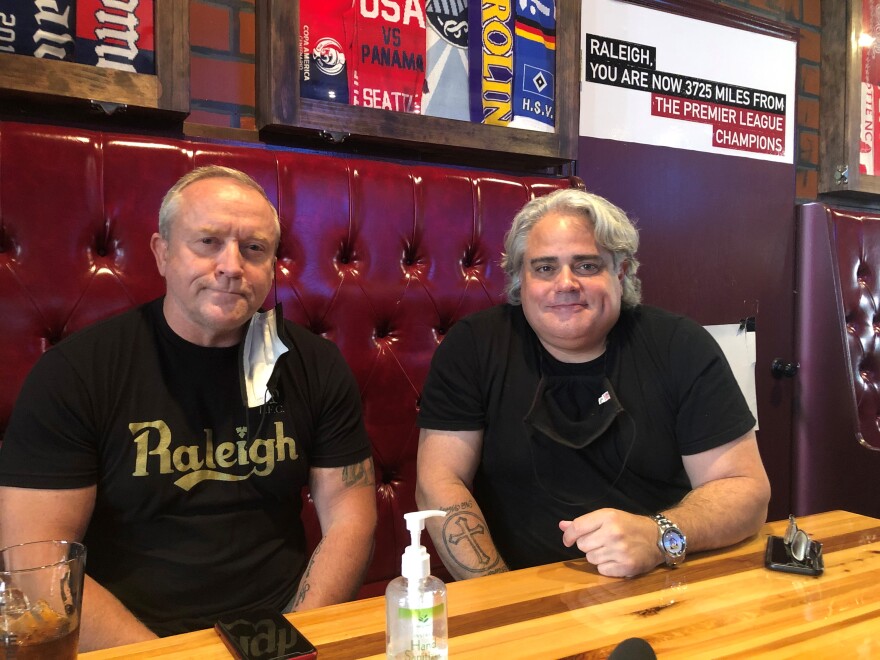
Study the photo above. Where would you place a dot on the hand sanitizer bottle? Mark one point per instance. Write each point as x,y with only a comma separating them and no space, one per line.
415,603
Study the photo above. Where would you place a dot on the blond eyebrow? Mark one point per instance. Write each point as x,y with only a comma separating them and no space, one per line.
214,230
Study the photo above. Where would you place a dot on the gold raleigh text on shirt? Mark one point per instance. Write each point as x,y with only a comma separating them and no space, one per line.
201,463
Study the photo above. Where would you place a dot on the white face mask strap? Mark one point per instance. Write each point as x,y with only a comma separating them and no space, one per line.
262,349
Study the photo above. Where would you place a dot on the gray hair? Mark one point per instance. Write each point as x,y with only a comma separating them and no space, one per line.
612,228
170,207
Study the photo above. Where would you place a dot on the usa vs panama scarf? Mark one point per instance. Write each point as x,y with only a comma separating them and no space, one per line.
387,68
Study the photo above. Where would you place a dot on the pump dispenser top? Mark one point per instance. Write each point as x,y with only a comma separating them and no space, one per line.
416,562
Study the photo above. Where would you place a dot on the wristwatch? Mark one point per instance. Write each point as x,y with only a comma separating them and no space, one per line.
671,541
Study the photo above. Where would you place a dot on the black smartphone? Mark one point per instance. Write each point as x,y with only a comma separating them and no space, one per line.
778,557
263,635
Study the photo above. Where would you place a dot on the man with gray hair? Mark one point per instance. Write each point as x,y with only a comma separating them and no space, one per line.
575,421
175,439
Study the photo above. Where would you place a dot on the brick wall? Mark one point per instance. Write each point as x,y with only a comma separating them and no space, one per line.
223,71
222,60
806,16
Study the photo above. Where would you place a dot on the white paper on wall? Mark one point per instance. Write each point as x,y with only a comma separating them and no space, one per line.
740,349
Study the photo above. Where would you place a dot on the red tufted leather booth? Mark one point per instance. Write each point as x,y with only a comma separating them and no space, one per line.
380,257
837,417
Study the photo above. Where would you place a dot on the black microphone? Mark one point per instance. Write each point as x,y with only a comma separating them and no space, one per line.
634,648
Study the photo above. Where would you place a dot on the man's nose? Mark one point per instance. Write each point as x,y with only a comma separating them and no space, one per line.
566,280
229,260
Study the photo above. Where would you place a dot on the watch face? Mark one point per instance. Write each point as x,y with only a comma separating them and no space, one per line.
673,542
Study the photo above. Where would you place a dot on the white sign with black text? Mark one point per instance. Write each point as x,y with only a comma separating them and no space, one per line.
654,77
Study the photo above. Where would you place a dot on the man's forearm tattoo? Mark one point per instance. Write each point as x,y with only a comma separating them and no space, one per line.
358,474
466,539
304,585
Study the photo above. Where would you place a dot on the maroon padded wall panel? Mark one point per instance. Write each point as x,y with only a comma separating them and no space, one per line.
837,421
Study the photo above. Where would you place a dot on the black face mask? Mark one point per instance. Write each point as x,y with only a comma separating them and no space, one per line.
548,417
557,440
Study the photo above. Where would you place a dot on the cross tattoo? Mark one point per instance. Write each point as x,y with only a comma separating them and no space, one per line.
468,533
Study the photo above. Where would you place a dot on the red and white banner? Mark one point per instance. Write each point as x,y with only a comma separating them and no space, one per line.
387,66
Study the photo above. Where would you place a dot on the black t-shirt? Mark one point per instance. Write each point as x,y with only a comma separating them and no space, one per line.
670,392
198,498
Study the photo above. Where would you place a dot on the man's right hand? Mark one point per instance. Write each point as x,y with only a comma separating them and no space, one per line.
617,543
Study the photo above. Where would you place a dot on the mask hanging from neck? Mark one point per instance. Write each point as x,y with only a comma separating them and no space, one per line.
547,416
567,432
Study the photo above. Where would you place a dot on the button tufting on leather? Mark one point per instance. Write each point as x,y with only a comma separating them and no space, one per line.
345,254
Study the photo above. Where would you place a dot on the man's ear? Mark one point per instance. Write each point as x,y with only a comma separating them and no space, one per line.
623,269
159,247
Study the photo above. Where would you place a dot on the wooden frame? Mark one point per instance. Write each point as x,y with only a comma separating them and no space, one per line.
31,79
280,108
702,10
840,111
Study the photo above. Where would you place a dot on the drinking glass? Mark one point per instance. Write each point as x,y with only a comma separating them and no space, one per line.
41,587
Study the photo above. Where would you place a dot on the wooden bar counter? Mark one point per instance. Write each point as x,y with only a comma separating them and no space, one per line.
716,604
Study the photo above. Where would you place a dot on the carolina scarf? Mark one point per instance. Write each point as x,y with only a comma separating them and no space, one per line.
491,61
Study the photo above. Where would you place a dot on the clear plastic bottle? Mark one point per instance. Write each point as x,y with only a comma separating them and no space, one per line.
415,602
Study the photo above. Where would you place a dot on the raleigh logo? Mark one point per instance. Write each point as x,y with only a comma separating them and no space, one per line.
199,464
